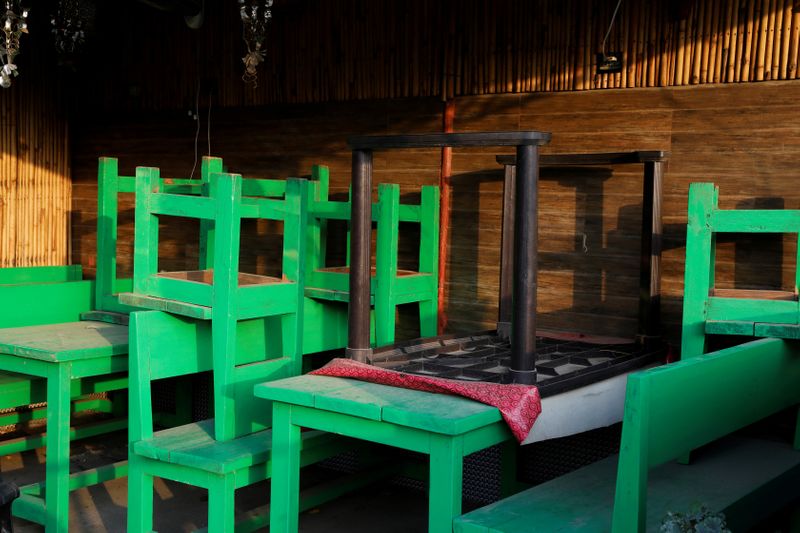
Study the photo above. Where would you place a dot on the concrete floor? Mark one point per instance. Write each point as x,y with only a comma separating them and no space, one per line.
384,507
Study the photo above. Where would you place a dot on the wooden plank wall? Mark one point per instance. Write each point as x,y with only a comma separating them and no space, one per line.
744,137
323,50
35,180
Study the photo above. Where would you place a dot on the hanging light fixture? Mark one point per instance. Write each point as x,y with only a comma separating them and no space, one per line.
15,23
255,16
70,23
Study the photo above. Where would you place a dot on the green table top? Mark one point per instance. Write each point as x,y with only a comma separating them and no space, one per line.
437,413
69,341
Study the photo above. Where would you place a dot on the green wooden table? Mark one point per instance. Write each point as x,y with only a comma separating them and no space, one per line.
61,353
447,428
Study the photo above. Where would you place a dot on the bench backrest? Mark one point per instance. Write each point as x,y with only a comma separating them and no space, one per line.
673,409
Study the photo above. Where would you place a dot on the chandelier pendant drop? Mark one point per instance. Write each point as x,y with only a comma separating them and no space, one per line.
70,23
14,24
255,16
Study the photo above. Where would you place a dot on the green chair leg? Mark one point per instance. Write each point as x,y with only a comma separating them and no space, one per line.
140,498
221,510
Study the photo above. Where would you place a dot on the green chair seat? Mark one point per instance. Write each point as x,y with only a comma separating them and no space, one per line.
193,445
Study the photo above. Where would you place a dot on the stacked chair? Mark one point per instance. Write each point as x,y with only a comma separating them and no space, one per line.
64,341
243,328
390,285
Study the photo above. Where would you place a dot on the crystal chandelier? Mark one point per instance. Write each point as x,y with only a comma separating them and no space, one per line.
70,23
15,23
255,16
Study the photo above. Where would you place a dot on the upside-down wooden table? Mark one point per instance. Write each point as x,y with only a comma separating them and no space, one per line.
444,427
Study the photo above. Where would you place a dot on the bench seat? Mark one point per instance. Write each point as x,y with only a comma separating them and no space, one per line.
727,476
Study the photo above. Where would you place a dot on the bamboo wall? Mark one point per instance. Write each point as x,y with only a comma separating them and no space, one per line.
324,50
743,137
35,176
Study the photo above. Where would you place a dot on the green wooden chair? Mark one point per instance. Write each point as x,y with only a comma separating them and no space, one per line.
70,299
215,319
711,310
390,286
236,346
60,353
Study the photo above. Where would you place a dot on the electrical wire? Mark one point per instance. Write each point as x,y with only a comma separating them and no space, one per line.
208,132
197,130
610,25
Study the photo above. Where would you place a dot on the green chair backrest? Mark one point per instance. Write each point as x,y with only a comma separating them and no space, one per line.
738,311
233,306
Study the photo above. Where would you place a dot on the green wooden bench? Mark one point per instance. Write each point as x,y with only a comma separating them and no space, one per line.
40,274
390,286
446,428
670,410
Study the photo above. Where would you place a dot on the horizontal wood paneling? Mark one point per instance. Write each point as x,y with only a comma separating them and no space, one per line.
741,137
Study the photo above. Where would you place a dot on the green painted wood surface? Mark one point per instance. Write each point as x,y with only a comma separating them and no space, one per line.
723,478
444,427
40,274
65,342
167,345
389,287
232,449
65,303
737,313
670,410
436,413
673,409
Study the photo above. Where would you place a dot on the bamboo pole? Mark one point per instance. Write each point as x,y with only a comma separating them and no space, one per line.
785,38
772,60
640,43
708,17
741,30
762,35
718,39
795,41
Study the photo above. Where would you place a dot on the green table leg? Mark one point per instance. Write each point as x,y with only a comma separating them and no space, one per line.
447,466
57,465
284,501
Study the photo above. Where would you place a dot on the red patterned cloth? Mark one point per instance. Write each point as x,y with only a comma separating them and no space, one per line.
520,405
